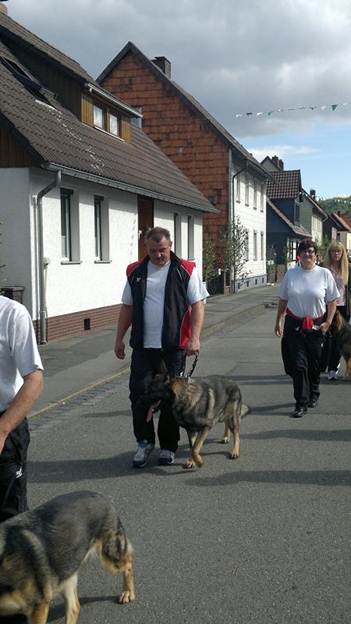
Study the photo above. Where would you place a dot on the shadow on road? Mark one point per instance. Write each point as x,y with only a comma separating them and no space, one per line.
302,477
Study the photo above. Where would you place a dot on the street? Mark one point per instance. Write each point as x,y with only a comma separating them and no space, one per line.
263,539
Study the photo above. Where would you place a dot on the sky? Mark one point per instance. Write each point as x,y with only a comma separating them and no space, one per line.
235,57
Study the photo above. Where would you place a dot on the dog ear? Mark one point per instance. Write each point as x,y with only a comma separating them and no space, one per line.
338,321
162,368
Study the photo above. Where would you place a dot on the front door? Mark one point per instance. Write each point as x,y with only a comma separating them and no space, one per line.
145,221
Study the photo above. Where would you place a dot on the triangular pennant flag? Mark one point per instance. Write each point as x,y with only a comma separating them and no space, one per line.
334,106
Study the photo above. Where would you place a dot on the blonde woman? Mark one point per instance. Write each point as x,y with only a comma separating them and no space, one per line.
337,262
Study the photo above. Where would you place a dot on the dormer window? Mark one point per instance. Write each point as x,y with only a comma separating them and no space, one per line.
113,124
98,117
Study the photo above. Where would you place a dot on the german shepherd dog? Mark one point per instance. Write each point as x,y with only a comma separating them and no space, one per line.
41,552
198,404
342,331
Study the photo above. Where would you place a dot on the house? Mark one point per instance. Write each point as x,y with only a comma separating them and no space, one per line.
285,197
216,163
79,184
342,226
312,215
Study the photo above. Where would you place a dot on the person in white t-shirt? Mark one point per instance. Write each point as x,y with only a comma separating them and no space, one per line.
21,383
163,302
308,295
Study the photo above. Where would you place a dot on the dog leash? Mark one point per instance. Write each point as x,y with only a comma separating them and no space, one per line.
183,374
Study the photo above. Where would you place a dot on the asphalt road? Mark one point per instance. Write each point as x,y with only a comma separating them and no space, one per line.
263,539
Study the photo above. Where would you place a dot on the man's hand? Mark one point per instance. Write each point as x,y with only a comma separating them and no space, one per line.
120,350
3,437
278,329
193,346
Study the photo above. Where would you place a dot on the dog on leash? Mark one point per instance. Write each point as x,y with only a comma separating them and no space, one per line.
342,331
41,552
198,404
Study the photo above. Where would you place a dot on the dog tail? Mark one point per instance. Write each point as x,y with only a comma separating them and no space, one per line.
245,409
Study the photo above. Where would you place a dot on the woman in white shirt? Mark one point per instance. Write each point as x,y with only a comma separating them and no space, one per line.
308,295
337,263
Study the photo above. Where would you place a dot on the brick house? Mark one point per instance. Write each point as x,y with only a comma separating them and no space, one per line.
216,163
79,183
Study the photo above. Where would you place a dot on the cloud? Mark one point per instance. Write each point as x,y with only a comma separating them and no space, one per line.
282,151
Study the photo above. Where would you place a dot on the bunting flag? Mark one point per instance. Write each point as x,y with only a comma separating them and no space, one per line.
322,107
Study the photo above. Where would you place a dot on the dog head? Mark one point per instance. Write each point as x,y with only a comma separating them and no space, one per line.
117,551
158,391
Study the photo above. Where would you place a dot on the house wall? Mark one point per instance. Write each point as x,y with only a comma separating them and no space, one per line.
345,239
252,215
317,228
17,233
180,132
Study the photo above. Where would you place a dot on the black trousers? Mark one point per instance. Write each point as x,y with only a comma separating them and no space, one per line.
302,360
145,363
335,352
13,473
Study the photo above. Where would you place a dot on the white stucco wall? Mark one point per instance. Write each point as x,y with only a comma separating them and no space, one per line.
164,217
317,228
345,239
253,218
17,233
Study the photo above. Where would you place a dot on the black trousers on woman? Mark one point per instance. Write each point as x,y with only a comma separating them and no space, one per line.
335,353
302,360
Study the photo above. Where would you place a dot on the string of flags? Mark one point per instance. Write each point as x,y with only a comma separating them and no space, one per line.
322,107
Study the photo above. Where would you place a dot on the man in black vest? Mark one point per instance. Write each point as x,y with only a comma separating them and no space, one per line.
163,302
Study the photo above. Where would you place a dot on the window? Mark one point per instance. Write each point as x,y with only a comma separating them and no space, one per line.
69,227
190,238
247,246
98,117
262,245
101,230
114,124
255,194
177,242
262,197
238,184
247,190
66,230
255,245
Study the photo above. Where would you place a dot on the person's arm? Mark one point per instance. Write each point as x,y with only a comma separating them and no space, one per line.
282,305
21,405
124,322
197,319
331,309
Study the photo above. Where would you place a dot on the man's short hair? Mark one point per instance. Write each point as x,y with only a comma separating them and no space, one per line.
157,234
307,243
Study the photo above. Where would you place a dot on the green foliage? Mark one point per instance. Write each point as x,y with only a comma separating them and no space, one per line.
333,204
235,239
209,260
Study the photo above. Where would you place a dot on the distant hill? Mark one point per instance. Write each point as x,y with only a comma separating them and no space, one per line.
336,203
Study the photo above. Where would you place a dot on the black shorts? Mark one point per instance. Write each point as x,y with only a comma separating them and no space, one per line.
13,473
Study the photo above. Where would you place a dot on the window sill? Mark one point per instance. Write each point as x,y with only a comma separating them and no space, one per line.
115,136
71,262
102,261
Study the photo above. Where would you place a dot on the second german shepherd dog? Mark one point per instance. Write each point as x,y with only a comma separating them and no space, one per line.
41,552
197,404
342,331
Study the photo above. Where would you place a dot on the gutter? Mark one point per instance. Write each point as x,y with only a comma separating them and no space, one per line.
38,203
130,188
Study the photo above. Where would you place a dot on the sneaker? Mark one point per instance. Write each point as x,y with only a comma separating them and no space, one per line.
143,453
331,375
299,411
166,457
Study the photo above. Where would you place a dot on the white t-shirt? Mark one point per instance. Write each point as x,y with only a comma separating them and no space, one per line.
308,291
155,297
19,353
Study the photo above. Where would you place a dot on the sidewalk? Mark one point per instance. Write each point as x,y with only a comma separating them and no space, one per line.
76,364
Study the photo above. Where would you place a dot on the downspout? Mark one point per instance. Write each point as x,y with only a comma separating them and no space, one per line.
41,269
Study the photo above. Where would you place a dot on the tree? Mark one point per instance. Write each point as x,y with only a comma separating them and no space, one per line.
235,238
209,260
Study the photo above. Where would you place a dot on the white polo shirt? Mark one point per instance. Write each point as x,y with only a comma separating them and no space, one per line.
155,298
19,353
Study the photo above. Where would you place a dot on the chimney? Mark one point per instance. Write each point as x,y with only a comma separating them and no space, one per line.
313,193
281,164
163,64
3,7
278,163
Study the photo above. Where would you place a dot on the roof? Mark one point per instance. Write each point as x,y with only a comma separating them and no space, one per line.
55,137
16,32
12,31
284,184
298,230
187,99
316,205
340,219
346,217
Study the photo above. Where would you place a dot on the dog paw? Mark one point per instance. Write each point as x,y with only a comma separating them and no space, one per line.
198,460
125,597
234,455
188,465
224,440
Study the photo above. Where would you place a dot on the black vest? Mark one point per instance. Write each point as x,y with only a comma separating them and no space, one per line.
176,314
